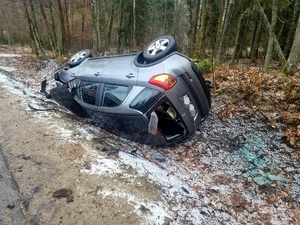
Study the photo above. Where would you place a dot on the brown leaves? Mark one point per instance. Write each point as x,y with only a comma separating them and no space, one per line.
273,95
293,135
227,111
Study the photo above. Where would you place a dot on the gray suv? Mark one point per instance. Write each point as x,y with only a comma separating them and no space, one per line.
157,96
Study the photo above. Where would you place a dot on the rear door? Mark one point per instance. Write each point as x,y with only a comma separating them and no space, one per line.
121,70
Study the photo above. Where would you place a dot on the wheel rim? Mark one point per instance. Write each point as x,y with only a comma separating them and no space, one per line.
78,56
158,46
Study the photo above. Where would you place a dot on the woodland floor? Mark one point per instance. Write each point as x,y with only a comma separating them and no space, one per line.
241,167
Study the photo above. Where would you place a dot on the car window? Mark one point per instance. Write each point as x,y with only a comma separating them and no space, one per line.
87,92
144,100
113,95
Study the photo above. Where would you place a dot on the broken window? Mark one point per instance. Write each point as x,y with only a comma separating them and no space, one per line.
145,100
87,92
169,122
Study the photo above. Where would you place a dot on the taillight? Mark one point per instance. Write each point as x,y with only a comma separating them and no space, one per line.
165,81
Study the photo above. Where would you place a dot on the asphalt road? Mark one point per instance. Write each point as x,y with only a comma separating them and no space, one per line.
11,200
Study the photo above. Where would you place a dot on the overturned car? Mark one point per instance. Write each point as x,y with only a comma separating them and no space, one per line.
157,96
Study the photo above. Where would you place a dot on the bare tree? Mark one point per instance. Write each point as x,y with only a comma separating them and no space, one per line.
33,27
271,36
198,33
256,37
48,27
224,31
271,33
63,37
293,63
293,24
95,8
133,32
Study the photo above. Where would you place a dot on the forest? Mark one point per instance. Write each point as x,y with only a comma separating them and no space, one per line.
220,35
224,30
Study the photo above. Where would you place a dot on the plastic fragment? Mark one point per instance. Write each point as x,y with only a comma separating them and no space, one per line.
276,178
160,158
152,127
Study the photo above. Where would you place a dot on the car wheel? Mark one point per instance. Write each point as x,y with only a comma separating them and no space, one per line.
159,48
78,58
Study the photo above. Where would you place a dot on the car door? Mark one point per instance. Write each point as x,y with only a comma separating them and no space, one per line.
118,79
121,70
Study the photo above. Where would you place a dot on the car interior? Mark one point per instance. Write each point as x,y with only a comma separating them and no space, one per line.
169,121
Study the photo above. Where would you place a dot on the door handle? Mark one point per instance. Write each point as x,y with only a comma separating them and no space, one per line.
131,75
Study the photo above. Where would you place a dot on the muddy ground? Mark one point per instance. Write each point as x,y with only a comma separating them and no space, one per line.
58,168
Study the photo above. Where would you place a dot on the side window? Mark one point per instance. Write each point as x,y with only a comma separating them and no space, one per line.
113,95
87,92
145,99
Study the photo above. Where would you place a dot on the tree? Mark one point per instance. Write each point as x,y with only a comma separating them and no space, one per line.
271,33
242,19
293,62
133,32
95,10
46,24
63,38
271,36
291,27
227,15
33,27
256,36
199,27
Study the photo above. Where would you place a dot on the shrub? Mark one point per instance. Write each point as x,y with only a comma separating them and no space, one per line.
205,65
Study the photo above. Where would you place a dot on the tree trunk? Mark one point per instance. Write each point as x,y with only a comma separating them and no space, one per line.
293,64
96,26
62,28
255,40
54,30
268,28
291,33
221,21
133,39
111,22
120,33
83,23
67,25
197,25
199,37
37,46
47,26
220,52
271,36
237,39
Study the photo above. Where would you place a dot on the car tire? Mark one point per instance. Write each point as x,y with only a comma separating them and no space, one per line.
79,57
159,48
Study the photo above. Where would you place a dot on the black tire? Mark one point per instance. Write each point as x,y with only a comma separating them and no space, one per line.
159,48
79,57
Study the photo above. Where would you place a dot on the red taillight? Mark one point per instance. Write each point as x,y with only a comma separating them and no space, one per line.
165,81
